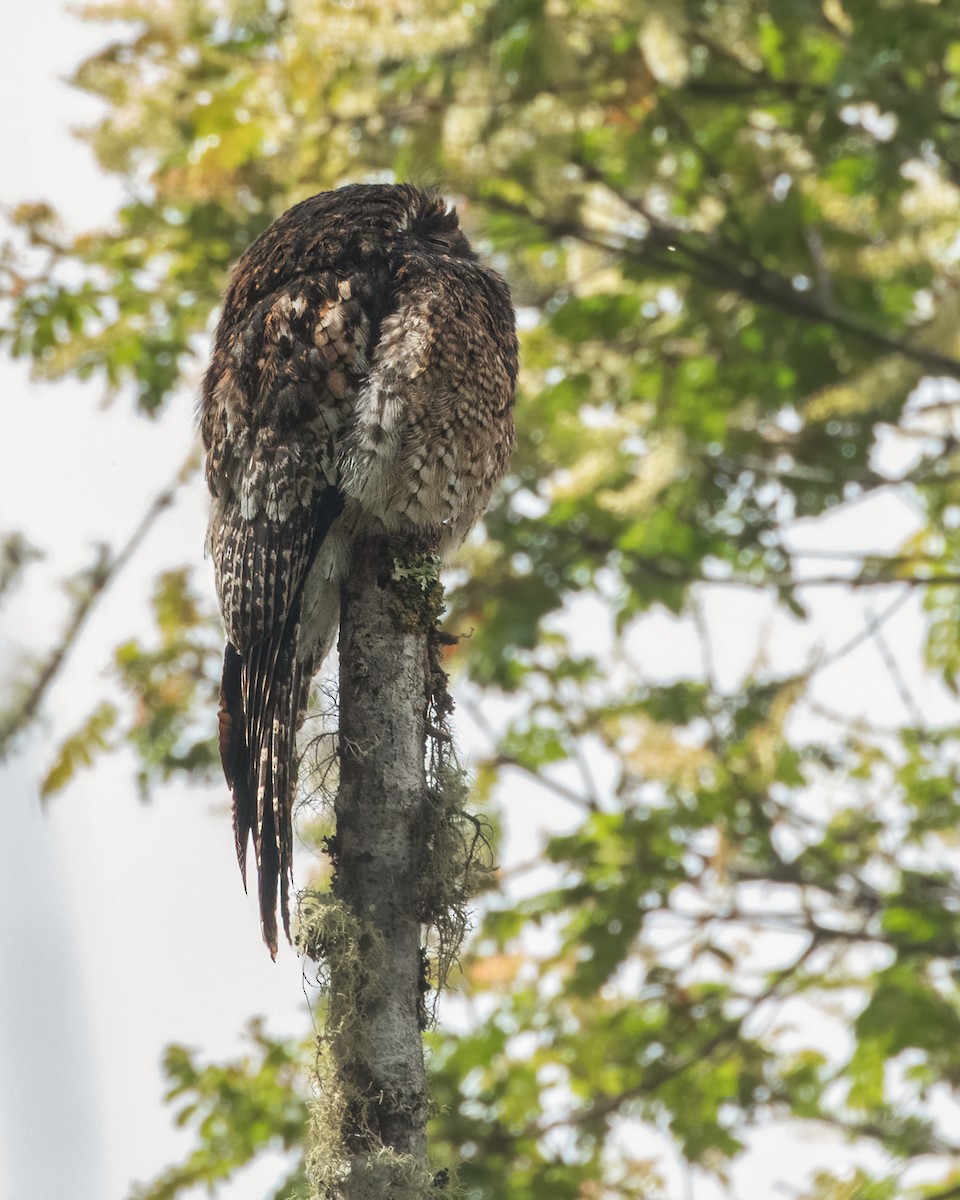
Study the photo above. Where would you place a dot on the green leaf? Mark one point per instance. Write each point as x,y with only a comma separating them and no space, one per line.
80,749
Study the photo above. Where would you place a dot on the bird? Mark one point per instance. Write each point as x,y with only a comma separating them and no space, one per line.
362,376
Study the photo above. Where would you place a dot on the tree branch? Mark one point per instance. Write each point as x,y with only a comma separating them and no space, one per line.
949,1193
674,252
664,1071
376,1014
95,582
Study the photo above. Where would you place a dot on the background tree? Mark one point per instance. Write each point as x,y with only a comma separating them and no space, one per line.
732,231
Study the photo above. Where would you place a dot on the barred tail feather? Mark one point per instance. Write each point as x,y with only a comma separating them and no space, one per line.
270,685
268,857
263,691
257,735
285,753
234,753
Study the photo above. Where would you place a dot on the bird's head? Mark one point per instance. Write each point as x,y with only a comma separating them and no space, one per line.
430,224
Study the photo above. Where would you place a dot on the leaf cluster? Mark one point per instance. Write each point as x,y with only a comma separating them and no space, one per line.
731,232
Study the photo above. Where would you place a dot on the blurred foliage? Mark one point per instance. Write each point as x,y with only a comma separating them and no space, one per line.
238,1109
731,230
167,688
167,694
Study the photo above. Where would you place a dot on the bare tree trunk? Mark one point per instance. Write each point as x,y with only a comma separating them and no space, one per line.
376,1004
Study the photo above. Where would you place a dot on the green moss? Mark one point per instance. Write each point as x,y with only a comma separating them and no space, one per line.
327,1163
346,1155
380,1174
334,936
415,582
456,855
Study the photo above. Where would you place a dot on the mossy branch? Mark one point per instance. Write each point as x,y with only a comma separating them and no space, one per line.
406,856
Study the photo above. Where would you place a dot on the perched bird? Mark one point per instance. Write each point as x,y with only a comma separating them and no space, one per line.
363,371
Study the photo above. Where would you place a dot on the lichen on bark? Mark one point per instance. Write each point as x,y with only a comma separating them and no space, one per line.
406,858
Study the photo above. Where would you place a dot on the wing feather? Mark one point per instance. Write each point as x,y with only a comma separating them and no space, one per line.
363,352
280,385
261,690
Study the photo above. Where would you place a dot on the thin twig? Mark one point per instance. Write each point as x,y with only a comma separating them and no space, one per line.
505,760
655,1079
586,776
950,1193
862,635
551,785
706,645
103,572
668,249
875,627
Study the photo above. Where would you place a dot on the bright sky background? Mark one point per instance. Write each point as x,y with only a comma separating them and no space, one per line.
123,926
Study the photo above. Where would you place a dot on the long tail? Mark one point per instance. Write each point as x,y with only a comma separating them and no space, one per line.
262,696
258,721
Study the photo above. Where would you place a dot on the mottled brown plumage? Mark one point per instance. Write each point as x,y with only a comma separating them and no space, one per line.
363,371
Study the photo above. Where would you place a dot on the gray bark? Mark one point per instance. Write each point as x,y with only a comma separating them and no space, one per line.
376,1019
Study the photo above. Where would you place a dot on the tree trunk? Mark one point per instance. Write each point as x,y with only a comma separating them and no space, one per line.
376,1004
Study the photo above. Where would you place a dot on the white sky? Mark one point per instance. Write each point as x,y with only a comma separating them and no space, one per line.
123,927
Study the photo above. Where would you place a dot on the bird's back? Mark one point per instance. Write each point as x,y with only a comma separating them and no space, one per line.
363,370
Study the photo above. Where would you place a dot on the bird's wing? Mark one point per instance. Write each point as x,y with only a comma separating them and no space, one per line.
274,399
262,566
434,420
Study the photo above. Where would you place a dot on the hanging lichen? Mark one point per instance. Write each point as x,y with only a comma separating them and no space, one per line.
450,852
